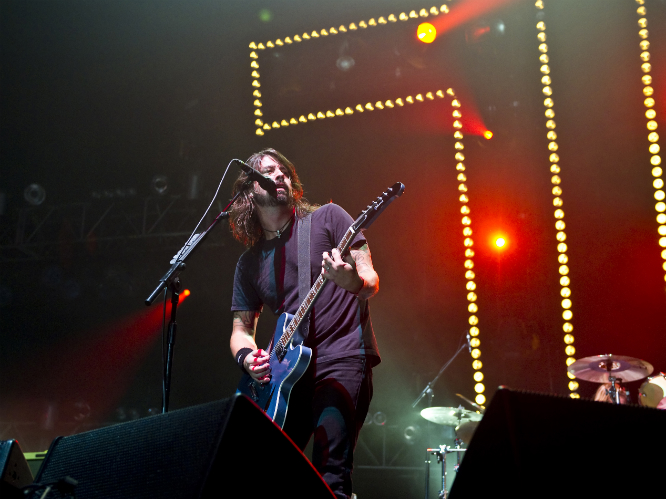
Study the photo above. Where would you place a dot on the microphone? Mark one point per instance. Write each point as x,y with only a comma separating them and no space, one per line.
469,342
265,182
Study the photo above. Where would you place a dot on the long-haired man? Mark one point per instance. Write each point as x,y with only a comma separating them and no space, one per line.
331,400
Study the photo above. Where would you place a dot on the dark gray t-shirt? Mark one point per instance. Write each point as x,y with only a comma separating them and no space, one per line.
267,274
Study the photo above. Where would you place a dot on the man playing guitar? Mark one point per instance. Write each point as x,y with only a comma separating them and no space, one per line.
331,399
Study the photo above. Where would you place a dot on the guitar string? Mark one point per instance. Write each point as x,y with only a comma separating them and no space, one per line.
290,331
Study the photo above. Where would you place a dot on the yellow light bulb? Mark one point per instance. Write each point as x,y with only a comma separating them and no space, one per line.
426,33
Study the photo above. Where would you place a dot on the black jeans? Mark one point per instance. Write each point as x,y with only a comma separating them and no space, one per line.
331,401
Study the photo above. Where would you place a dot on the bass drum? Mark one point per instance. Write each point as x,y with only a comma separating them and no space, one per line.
653,391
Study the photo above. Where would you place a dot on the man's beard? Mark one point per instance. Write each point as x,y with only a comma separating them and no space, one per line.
264,199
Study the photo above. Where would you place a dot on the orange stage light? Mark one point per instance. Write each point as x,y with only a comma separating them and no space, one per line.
466,10
500,242
426,32
488,134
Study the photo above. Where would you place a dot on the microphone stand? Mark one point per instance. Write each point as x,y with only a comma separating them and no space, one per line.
171,281
428,390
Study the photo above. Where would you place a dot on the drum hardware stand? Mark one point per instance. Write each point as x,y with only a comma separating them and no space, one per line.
613,391
441,453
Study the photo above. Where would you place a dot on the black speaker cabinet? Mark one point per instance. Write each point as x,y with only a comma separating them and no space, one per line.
220,449
14,470
531,445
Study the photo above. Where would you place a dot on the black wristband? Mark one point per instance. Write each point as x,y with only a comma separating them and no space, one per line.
240,358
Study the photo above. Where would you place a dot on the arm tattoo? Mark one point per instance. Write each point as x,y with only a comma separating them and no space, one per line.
362,257
246,318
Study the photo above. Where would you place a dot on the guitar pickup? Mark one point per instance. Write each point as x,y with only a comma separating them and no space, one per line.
280,352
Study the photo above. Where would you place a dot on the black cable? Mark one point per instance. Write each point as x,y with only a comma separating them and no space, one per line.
164,340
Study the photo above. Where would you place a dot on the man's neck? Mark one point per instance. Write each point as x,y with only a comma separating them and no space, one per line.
273,218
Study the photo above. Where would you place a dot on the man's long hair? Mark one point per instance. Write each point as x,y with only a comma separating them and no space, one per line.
244,220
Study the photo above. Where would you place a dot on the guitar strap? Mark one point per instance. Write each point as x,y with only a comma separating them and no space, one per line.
304,276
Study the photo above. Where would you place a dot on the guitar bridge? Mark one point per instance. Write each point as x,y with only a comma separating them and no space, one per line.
253,392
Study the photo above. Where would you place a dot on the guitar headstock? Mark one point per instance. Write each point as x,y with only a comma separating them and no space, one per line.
370,214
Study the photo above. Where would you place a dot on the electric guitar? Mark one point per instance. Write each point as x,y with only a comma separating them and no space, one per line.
288,361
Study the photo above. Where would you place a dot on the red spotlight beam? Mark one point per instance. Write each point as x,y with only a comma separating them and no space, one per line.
97,371
467,10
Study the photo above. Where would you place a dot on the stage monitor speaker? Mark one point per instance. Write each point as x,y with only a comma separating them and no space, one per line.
14,470
532,445
220,449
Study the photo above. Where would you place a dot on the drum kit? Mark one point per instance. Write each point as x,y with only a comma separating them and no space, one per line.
612,370
464,421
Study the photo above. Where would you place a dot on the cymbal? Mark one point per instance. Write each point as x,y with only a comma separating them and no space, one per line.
623,368
450,416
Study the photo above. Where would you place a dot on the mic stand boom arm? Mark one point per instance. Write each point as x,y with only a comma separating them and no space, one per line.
178,261
428,389
170,280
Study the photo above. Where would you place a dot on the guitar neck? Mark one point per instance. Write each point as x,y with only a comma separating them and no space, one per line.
312,295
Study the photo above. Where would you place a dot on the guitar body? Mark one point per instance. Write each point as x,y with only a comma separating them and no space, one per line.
273,397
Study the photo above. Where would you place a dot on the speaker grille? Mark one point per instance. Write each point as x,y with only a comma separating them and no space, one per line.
168,455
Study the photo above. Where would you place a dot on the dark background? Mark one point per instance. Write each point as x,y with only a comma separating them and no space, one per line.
96,98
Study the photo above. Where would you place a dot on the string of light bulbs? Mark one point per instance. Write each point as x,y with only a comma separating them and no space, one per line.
556,180
468,243
652,125
263,125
